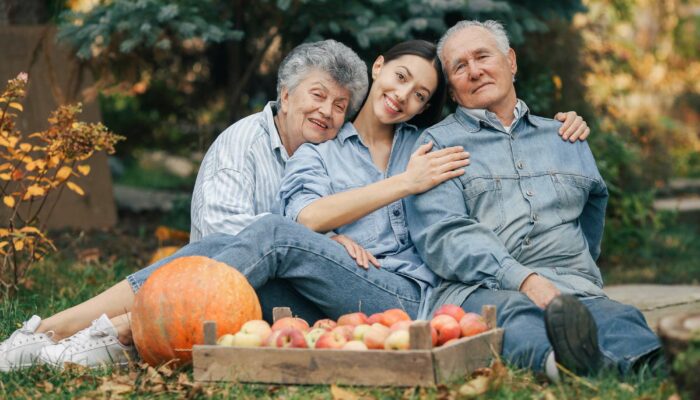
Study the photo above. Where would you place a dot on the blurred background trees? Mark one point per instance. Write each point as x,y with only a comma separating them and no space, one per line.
173,74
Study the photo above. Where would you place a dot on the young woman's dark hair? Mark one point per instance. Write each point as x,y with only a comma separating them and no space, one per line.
427,51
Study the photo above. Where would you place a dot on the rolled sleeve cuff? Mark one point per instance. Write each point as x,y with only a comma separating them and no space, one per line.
294,207
512,275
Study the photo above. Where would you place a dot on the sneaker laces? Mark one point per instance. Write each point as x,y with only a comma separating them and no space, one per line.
28,328
82,337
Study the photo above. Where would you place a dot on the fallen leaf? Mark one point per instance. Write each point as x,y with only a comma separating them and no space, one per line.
91,255
115,388
25,147
341,394
475,387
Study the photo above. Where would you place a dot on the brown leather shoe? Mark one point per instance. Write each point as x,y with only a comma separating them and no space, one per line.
573,333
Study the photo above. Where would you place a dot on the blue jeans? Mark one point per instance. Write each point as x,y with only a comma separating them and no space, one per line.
623,334
316,267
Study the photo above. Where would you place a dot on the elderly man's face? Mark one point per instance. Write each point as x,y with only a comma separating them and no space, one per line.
480,75
314,111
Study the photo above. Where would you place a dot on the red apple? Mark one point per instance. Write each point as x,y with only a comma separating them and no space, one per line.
400,326
257,327
354,345
345,330
397,340
447,328
453,340
472,324
290,322
375,318
291,337
325,323
433,335
375,336
360,330
452,310
354,319
313,335
394,315
272,339
331,340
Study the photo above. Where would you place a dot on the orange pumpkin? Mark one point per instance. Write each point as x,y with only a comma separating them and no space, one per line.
170,308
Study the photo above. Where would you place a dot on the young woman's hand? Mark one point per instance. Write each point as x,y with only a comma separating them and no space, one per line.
427,169
574,127
357,252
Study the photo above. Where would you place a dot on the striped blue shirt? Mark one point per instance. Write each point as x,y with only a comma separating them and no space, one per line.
239,177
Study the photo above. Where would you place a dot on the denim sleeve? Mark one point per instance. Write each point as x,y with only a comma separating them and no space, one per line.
305,180
456,246
593,215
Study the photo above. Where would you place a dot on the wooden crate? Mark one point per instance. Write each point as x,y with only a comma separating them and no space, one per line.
422,365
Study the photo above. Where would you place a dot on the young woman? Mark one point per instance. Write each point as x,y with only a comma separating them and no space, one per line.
408,87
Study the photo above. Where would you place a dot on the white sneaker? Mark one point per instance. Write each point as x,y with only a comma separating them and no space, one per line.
21,349
92,347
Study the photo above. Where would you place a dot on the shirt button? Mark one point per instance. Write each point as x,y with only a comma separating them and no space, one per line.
530,193
520,165
402,241
527,241
397,213
535,217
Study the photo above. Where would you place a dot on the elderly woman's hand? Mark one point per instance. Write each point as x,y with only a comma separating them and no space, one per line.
357,252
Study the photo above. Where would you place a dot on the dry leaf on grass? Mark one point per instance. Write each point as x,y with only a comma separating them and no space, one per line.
341,394
114,388
475,387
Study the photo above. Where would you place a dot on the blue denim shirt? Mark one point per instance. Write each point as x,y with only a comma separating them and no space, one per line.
528,203
315,171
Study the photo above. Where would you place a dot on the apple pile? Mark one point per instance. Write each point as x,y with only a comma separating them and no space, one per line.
387,330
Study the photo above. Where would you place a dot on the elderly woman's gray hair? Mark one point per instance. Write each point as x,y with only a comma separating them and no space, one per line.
336,59
494,27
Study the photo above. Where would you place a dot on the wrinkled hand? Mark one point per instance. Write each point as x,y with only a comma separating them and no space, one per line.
540,290
574,128
357,252
426,169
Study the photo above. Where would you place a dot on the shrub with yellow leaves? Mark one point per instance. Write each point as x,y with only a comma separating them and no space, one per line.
31,167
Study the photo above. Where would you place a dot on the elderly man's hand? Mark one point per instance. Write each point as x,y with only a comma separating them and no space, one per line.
540,290
574,127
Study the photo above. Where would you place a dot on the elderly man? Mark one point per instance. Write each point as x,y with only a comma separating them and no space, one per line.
523,226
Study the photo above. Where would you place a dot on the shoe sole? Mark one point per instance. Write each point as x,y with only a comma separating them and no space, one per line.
573,333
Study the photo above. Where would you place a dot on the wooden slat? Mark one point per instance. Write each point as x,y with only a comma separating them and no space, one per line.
420,337
466,354
307,366
209,332
281,312
489,314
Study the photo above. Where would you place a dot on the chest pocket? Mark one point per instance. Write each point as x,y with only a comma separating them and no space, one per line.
484,200
572,194
365,230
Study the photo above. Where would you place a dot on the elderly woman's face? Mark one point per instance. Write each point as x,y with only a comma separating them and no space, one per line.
315,110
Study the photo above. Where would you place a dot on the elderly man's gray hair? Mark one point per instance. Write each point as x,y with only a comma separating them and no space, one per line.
494,27
336,59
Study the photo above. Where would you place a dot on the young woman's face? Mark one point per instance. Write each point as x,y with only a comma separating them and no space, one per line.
402,88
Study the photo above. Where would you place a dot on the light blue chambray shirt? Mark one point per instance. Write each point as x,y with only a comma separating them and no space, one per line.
239,177
528,203
338,165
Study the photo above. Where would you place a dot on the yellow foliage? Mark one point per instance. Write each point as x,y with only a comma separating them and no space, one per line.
77,189
84,169
9,201
64,173
16,106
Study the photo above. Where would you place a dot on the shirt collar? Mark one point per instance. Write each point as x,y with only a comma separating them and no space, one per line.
348,130
269,117
473,118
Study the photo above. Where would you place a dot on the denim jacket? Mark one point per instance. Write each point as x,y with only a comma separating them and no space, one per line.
528,203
